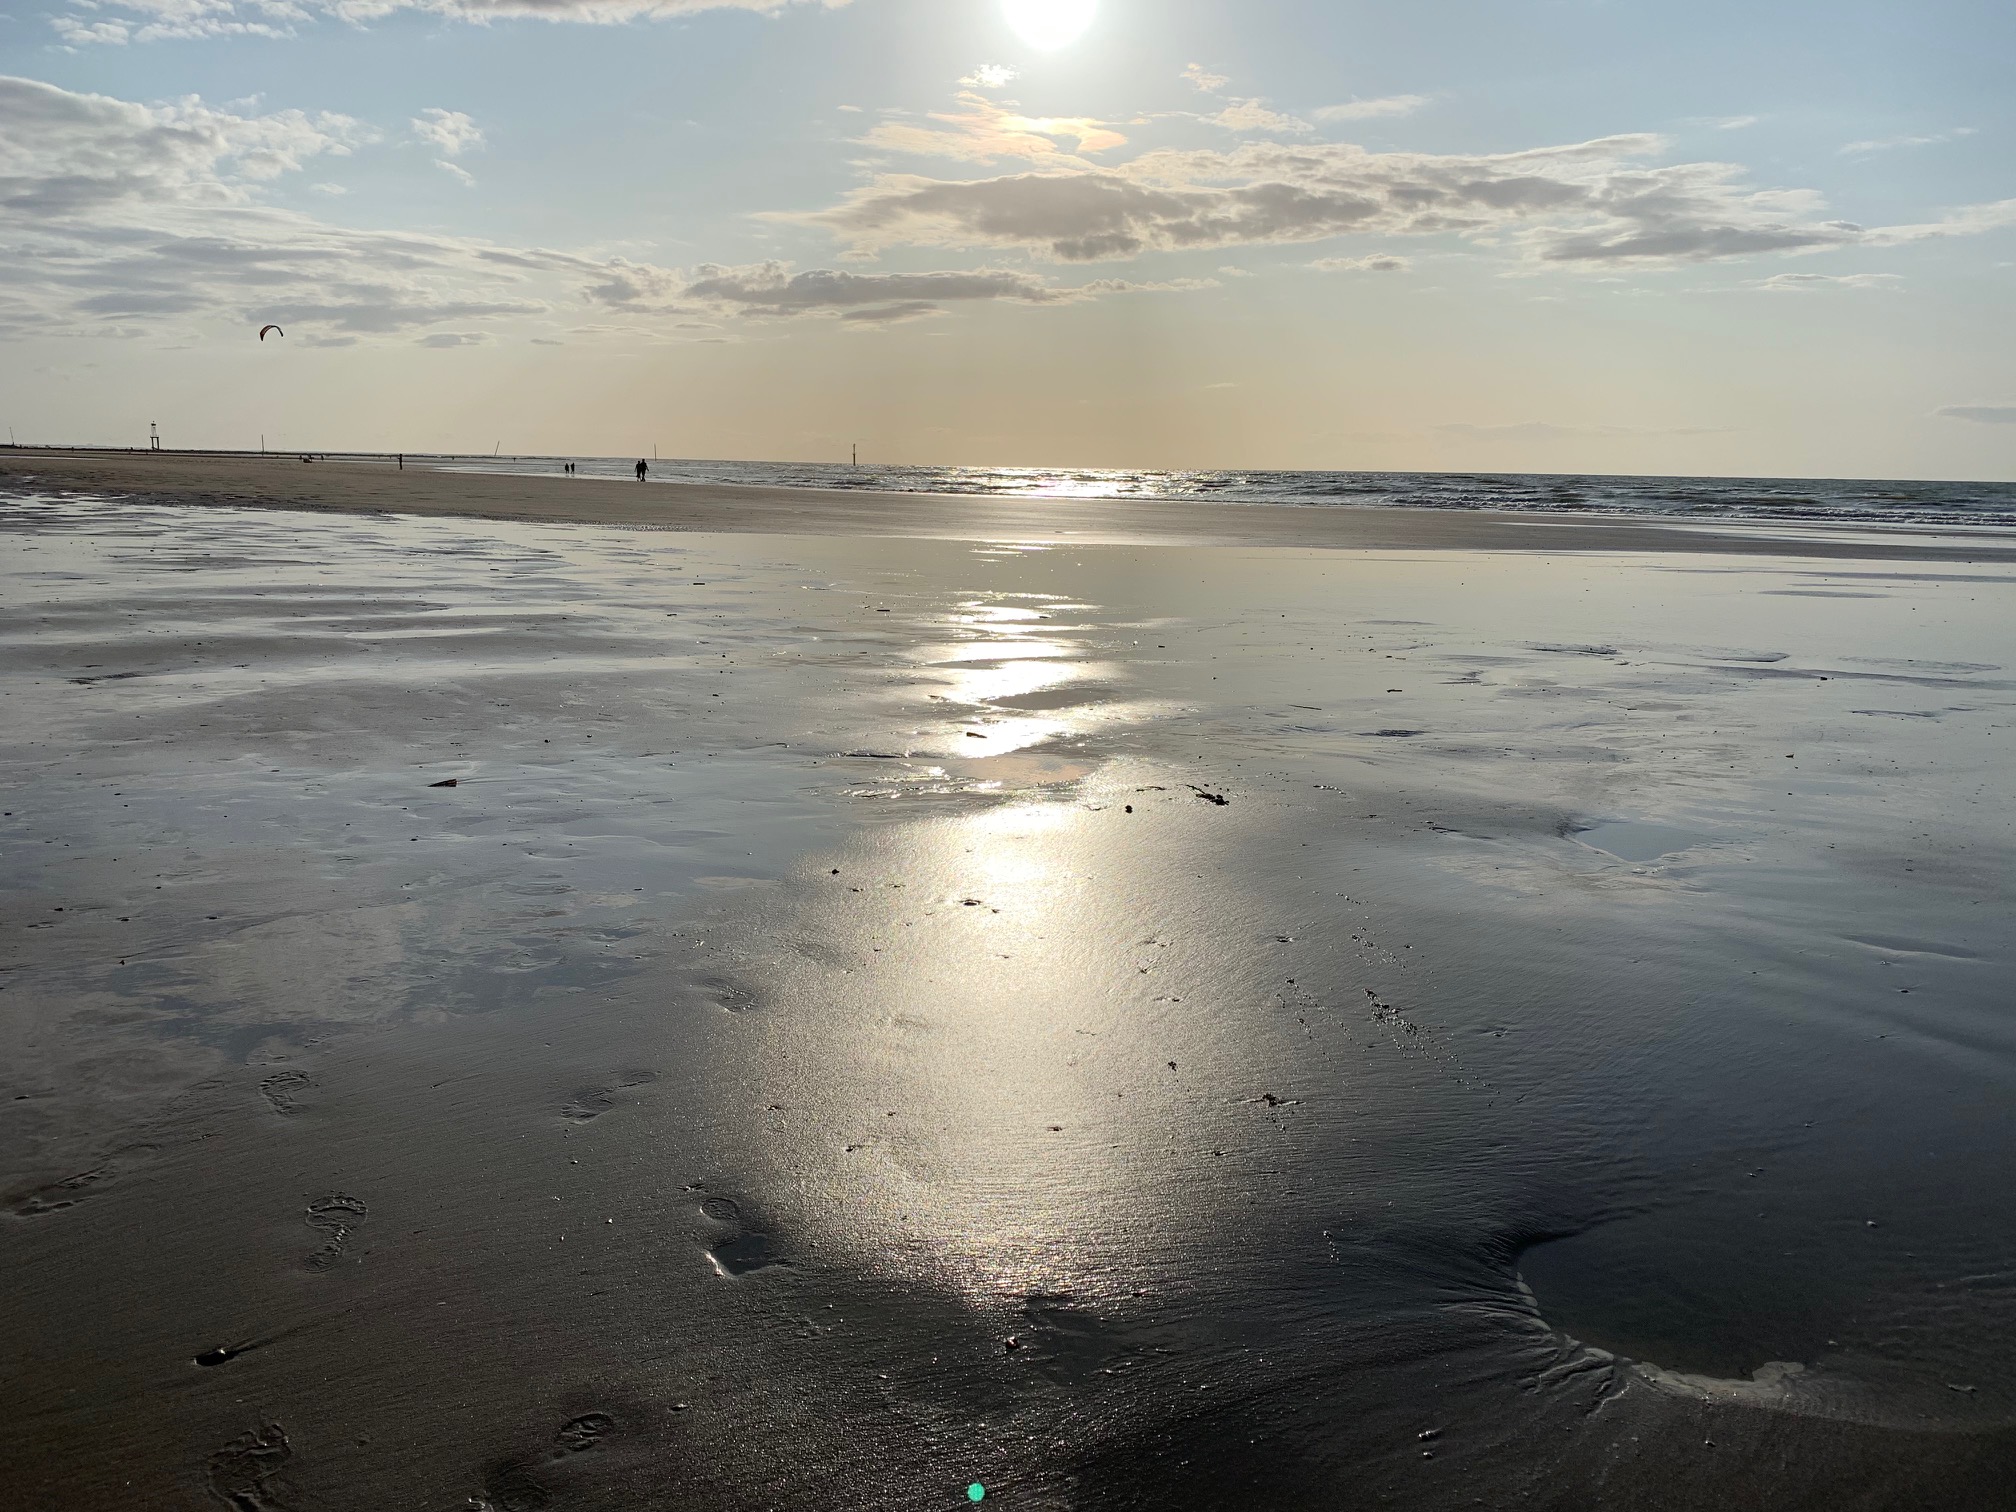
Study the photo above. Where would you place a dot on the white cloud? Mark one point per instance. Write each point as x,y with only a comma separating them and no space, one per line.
1130,286
121,218
990,76
449,132
80,33
1202,78
1968,220
985,132
454,339
65,153
1378,262
154,20
1725,123
1794,283
1254,115
1886,144
1982,414
1366,110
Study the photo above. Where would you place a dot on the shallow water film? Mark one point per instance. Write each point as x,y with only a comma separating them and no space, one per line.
507,1017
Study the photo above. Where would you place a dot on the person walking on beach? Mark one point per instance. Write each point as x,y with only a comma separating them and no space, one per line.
642,469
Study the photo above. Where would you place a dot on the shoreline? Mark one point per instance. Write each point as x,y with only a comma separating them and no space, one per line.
286,483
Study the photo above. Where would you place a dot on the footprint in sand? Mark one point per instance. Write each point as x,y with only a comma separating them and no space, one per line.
578,1435
740,1250
510,1485
57,1195
242,1473
596,1101
731,995
54,1196
335,1217
282,1087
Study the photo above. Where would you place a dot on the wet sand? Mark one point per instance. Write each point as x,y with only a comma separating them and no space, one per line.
831,1045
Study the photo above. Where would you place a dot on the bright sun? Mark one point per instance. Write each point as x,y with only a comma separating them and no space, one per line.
1049,24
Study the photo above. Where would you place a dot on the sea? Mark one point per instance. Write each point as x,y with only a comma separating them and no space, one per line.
1917,505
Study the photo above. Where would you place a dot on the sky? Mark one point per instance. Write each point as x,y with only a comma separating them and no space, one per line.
1624,236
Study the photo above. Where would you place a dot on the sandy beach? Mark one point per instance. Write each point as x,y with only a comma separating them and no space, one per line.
830,1000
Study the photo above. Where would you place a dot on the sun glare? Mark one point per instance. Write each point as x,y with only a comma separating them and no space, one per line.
1049,24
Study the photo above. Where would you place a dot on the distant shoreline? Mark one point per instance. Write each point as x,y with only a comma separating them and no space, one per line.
353,485
337,454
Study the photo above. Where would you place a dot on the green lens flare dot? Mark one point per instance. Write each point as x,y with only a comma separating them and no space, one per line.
976,1492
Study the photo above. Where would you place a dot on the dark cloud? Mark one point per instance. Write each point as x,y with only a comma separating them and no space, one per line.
912,309
770,288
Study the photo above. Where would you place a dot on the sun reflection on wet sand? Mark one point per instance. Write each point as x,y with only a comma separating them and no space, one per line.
1013,1166
1013,662
1002,1155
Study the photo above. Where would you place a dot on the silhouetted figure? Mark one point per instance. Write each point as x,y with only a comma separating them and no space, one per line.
641,469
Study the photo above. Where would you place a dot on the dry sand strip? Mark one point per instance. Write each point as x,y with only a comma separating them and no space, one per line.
210,478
